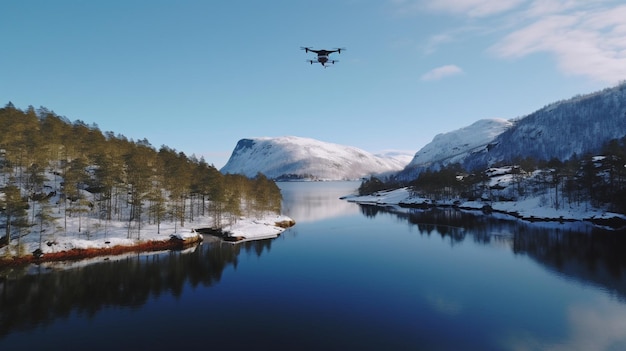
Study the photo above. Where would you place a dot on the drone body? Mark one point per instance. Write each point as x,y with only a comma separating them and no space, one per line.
322,55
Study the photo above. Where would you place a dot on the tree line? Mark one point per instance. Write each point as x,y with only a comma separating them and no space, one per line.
44,156
597,180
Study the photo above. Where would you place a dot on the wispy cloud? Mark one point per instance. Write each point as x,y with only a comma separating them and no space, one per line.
584,37
472,8
598,328
437,40
442,72
587,42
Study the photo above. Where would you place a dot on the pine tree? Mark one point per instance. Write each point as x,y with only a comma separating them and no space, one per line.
13,208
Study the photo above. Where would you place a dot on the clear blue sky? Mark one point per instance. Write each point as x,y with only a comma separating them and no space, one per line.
198,76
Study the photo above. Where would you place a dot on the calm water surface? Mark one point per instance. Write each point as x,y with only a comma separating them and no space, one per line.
346,277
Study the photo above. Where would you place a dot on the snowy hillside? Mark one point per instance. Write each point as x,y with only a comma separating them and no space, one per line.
574,127
303,158
562,130
403,157
455,146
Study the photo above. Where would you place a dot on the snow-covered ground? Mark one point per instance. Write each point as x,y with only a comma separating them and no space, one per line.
105,235
257,228
61,234
532,207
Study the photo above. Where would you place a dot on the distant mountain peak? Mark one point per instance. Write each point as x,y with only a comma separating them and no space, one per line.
454,147
291,157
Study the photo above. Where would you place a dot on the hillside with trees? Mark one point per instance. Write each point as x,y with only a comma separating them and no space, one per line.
567,156
590,182
52,169
563,130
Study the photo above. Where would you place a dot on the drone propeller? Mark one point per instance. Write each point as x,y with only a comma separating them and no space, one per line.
305,48
339,50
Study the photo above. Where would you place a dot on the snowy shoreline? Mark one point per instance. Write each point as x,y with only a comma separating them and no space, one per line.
114,240
248,229
532,209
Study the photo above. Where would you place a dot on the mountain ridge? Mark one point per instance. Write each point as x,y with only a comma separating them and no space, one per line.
561,130
455,146
297,158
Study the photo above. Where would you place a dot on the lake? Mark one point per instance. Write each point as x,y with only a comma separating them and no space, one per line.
346,277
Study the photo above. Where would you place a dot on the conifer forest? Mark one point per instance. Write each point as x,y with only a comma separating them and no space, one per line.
52,169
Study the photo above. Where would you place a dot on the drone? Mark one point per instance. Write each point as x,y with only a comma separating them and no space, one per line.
322,55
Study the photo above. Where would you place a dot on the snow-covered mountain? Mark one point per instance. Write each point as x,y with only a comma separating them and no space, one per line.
402,156
561,130
455,146
292,157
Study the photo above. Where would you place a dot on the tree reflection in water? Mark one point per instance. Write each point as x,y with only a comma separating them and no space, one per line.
575,250
36,296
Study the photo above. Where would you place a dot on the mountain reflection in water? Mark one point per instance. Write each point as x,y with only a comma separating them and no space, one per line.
310,203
